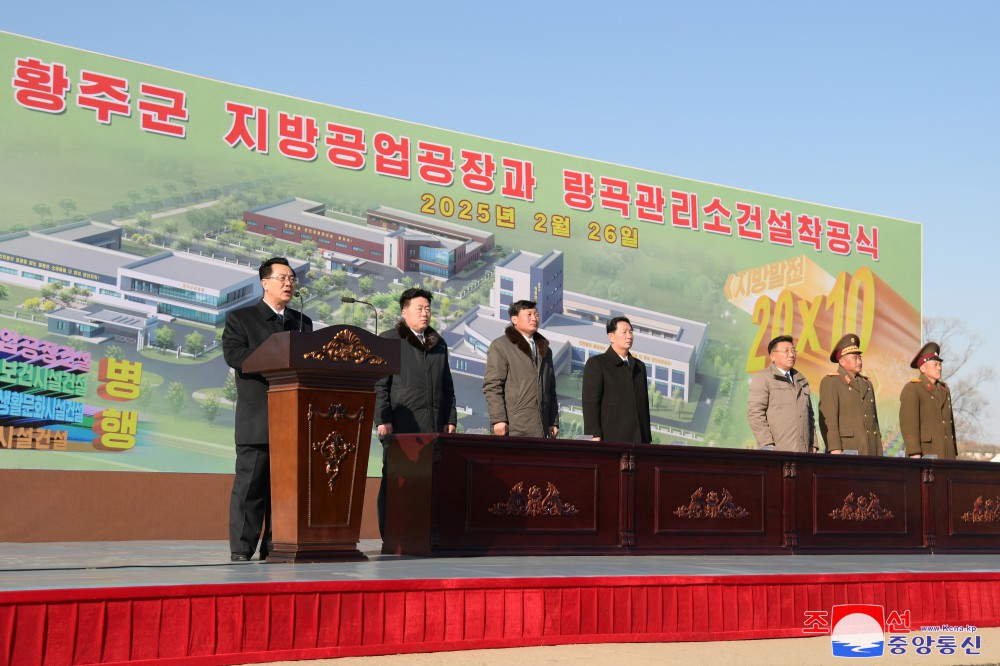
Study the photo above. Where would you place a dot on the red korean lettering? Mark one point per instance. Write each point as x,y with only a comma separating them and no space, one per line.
716,213
392,155
748,221
346,146
105,94
867,243
810,230
297,136
478,170
437,163
240,132
816,622
649,203
614,195
684,209
779,227
838,237
898,623
163,111
40,86
518,179
578,189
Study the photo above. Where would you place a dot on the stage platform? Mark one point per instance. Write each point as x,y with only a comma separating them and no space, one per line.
184,602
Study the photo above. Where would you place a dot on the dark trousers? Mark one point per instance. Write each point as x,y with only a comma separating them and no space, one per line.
250,502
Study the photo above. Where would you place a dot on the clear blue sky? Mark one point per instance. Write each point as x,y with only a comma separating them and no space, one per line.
883,107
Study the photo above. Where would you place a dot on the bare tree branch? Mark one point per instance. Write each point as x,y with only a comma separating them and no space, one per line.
967,382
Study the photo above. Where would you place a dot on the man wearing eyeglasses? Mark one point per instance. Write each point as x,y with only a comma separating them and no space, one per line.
246,329
780,408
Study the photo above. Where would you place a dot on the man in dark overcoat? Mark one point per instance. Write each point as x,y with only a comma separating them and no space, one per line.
421,396
615,394
246,329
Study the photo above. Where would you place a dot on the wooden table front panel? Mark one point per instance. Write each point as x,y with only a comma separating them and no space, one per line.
858,504
535,496
965,504
730,502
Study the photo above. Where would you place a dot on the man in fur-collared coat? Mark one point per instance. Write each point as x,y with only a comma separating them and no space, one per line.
520,379
421,396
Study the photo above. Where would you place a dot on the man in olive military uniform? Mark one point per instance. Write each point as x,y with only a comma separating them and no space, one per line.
847,417
925,416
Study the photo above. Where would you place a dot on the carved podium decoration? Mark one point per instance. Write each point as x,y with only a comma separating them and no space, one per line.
984,510
532,503
333,447
320,403
861,509
346,346
711,506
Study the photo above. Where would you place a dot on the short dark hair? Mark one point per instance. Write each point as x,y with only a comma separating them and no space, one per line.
414,292
517,306
265,268
778,340
613,323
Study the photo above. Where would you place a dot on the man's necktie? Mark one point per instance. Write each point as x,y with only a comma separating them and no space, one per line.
534,350
281,319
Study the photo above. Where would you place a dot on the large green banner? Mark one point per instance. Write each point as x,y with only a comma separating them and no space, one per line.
138,202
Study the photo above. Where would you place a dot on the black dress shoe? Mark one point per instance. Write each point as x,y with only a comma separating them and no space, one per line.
239,557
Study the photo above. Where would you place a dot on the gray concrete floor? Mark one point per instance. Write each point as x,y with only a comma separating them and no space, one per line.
38,566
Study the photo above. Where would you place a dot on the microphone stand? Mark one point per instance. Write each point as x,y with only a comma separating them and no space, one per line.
302,308
351,299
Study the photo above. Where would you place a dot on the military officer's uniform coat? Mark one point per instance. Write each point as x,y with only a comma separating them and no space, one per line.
926,420
847,415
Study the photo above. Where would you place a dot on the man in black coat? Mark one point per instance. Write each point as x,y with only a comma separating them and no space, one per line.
615,397
246,329
421,396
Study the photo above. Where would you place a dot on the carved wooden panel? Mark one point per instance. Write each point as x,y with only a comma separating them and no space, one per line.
707,501
541,498
859,504
966,502
335,432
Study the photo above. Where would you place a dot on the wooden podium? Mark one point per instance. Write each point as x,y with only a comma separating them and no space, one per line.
321,405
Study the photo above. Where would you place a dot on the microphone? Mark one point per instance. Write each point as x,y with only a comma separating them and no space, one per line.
351,299
302,308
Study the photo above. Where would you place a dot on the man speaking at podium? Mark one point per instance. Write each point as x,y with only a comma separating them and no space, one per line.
246,329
